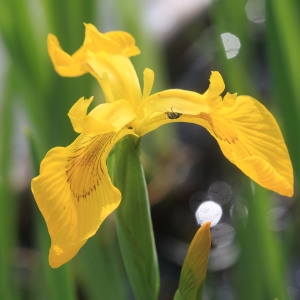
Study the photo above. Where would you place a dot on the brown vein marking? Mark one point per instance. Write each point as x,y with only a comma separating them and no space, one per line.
84,168
222,130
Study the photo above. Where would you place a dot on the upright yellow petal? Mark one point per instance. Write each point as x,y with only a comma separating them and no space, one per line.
125,41
113,42
109,54
216,86
148,82
64,64
101,55
75,194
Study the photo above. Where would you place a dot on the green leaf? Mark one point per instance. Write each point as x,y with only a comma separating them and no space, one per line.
99,267
194,268
263,254
134,226
8,199
283,51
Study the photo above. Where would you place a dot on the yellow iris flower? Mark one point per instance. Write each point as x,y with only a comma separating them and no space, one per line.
74,191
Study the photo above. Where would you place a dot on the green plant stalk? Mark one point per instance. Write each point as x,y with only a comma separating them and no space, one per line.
262,262
283,43
99,266
20,40
66,20
283,49
134,225
7,198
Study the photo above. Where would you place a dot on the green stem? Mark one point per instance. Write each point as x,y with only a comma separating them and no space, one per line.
7,197
134,226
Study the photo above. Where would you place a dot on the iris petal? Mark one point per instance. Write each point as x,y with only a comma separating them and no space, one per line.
121,75
216,85
113,42
125,42
65,64
103,118
101,55
82,122
249,137
245,130
148,82
75,194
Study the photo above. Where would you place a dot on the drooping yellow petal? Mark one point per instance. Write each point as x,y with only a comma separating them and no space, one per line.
249,137
74,191
101,55
246,131
75,194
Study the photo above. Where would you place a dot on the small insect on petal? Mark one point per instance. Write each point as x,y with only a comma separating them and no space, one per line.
172,114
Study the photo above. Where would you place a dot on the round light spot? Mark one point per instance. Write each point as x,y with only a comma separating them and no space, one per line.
239,211
220,192
223,258
278,218
231,44
255,11
209,211
222,235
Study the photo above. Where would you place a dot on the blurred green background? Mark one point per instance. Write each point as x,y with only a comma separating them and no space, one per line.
255,253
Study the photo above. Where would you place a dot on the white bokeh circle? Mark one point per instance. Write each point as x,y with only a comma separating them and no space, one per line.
209,211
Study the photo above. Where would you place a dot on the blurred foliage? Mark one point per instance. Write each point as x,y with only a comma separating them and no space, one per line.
35,100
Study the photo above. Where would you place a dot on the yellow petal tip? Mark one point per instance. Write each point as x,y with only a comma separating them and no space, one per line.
206,226
216,86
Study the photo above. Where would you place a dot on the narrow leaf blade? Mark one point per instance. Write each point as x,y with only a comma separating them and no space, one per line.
134,224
